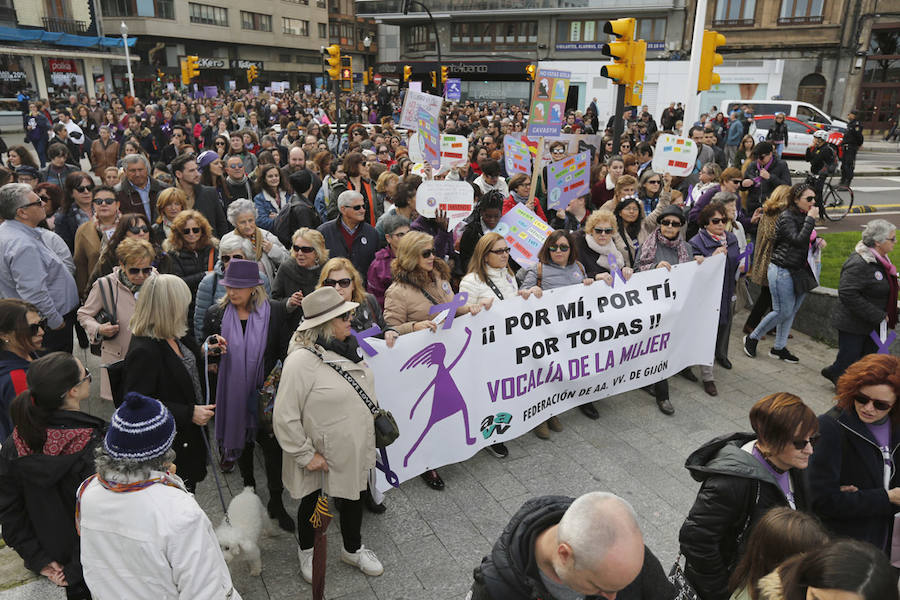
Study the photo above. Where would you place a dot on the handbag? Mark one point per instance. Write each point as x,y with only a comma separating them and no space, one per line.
683,588
116,374
106,314
386,430
265,398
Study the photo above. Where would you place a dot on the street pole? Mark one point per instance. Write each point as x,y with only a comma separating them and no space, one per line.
692,98
124,29
437,40
337,110
618,120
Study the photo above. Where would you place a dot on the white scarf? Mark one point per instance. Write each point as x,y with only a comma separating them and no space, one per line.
604,252
609,182
277,202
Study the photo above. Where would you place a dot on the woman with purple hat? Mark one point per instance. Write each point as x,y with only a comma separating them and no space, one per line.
252,337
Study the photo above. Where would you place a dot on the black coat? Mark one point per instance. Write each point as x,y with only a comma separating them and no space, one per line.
153,369
365,245
847,454
206,200
510,571
791,245
37,494
863,292
736,491
779,174
587,257
299,213
192,265
277,335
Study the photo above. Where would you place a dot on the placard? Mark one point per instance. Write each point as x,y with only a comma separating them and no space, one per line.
416,153
548,103
454,151
409,115
675,155
455,197
429,137
415,86
568,179
525,233
517,155
453,89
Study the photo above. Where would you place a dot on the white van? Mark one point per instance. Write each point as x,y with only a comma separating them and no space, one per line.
791,108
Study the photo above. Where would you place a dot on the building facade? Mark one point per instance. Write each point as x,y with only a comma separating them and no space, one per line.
357,37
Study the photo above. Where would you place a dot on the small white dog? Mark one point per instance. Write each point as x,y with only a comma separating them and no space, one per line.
248,521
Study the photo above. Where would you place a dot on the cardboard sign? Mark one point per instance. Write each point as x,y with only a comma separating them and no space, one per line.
413,101
525,233
455,197
517,155
674,155
429,137
548,103
454,151
568,179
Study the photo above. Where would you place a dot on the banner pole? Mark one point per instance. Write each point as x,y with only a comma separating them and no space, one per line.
535,170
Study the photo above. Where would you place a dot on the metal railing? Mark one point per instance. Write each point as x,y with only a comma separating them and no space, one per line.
59,25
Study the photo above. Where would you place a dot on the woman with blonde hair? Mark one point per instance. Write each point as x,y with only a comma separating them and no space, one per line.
626,186
267,250
385,189
169,203
762,254
298,277
595,246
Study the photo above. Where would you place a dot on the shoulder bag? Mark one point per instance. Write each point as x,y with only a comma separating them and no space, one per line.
107,313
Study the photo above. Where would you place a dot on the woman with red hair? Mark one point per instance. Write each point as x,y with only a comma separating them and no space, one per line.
854,484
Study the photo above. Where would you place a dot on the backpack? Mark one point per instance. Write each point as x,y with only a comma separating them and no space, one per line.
335,188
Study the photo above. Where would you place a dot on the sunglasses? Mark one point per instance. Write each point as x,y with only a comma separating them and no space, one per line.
33,328
625,146
30,204
220,143
347,316
304,249
84,188
145,271
877,404
654,182
226,257
668,223
87,377
560,248
357,207
344,283
717,221
107,201
500,251
812,441
137,229
811,198
428,253
236,166
190,230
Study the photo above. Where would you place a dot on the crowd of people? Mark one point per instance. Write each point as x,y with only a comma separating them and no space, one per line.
213,244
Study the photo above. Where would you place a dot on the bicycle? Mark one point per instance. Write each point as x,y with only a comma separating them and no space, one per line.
834,202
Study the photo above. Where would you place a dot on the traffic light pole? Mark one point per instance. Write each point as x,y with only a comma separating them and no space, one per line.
337,110
692,97
619,121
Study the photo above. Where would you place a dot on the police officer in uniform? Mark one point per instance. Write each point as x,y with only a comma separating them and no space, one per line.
853,139
822,160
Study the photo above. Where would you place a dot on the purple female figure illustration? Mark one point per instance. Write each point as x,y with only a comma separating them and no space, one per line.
448,399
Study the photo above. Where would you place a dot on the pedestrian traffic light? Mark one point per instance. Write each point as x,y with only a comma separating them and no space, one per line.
445,71
628,58
407,72
529,72
333,58
193,67
710,59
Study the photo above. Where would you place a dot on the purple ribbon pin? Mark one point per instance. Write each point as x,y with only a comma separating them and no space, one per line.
361,339
458,301
747,255
884,346
615,270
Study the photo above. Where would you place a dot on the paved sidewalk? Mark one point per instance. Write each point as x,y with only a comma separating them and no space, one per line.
430,541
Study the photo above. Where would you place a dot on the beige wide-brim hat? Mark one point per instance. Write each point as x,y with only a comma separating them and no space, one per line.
323,305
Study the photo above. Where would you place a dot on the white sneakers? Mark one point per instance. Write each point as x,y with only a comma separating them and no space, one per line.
363,559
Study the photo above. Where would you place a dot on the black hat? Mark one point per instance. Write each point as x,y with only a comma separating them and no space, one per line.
672,211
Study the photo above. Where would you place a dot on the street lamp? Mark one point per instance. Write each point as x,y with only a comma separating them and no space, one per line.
367,43
124,29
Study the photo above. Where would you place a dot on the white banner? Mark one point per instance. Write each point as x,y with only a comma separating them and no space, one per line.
498,375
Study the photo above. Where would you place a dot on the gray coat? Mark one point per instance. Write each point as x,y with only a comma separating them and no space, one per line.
553,276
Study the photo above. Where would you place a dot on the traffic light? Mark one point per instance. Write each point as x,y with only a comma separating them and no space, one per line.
365,77
529,72
407,72
159,75
333,59
371,72
433,78
185,79
709,59
445,71
628,58
193,68
252,73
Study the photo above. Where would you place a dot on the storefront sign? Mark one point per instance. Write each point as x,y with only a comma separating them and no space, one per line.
246,64
212,63
575,46
13,76
61,65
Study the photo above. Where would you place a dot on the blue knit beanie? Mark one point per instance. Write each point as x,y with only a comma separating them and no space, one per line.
141,429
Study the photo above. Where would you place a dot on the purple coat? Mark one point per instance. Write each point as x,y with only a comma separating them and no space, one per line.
704,245
379,276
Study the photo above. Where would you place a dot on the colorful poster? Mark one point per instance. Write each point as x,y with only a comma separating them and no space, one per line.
568,179
409,114
455,197
453,89
454,151
517,155
674,155
548,103
495,376
429,138
525,233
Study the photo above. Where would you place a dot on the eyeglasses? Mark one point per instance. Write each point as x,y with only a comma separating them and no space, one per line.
654,182
344,283
226,257
347,316
602,230
303,249
33,328
810,198
812,441
220,143
877,404
145,271
138,229
717,221
30,204
190,230
84,188
559,151
357,207
107,201
668,223
239,165
428,253
500,251
560,248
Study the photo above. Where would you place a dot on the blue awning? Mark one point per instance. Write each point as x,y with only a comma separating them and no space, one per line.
12,34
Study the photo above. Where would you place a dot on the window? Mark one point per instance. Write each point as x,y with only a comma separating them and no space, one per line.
334,30
304,2
323,30
208,15
735,12
256,21
159,9
652,30
419,37
800,11
285,58
580,31
295,27
320,4
508,34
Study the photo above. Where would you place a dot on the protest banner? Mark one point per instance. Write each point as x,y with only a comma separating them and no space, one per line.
568,179
496,376
674,155
429,137
517,155
548,102
409,114
525,233
455,197
454,151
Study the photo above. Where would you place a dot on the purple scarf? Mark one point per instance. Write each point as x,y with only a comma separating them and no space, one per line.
758,179
240,374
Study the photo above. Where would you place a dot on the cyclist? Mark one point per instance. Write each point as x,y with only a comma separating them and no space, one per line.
822,162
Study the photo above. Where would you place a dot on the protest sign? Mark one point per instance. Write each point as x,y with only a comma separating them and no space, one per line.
496,376
415,86
568,179
525,233
548,102
416,154
453,89
455,197
429,137
517,155
454,151
412,102
674,155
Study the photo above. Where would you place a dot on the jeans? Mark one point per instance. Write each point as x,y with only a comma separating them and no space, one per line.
851,348
785,305
779,148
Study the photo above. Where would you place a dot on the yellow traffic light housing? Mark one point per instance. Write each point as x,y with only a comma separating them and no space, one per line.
333,59
407,72
445,71
185,79
709,59
629,56
193,67
252,73
530,71
433,78
371,72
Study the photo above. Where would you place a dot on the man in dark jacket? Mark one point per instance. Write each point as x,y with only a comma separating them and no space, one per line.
138,192
763,175
349,236
556,547
205,198
853,139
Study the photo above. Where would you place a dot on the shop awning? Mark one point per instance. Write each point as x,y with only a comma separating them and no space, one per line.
12,34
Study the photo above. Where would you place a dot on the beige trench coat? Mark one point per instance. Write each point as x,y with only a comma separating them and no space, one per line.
317,410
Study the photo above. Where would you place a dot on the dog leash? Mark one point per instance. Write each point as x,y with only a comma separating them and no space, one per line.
204,434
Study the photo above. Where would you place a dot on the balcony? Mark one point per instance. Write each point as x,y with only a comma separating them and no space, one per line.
58,25
8,15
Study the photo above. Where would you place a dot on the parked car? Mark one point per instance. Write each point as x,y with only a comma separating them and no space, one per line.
805,112
800,134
